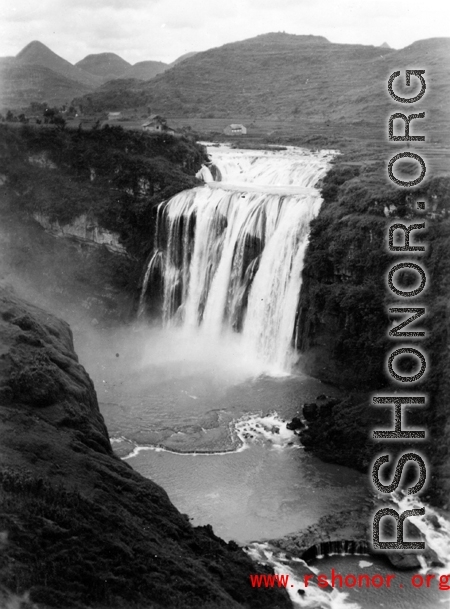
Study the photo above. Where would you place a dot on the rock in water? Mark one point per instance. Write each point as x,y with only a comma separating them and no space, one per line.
310,411
296,423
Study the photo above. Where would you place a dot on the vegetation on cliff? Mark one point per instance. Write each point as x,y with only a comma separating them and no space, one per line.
117,177
344,319
80,528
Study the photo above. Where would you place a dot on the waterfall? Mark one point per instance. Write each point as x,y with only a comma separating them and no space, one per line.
335,548
155,261
231,252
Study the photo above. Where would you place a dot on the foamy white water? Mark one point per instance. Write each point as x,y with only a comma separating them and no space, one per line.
231,258
434,527
312,597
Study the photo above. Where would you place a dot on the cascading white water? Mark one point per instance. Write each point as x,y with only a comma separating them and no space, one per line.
312,597
433,526
231,252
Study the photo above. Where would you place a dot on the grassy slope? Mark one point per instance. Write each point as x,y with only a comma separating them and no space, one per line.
145,70
106,65
22,84
290,77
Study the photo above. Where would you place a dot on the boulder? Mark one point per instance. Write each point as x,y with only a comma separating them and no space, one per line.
310,411
432,558
295,424
403,561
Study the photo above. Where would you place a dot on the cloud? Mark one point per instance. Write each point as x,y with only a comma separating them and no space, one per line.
165,29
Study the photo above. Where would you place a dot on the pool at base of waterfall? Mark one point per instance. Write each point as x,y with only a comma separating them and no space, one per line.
212,431
214,436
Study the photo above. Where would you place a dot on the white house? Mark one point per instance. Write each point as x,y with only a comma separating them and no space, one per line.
235,129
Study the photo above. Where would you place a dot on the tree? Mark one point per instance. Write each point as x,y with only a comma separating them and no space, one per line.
59,121
38,106
49,114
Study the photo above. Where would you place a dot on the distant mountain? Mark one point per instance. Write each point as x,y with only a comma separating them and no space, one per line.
36,53
22,84
105,65
182,58
283,75
145,70
39,74
57,81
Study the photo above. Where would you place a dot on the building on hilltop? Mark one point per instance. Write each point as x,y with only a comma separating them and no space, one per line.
235,129
157,124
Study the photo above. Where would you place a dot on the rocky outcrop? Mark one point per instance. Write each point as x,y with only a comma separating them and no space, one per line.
295,424
85,284
338,432
80,528
82,228
349,532
42,160
351,526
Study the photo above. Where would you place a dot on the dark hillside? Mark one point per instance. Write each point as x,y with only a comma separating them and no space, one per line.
21,84
80,528
344,320
116,176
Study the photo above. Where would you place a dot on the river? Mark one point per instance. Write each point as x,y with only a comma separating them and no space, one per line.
200,402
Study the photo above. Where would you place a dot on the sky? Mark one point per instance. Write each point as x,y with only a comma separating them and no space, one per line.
163,30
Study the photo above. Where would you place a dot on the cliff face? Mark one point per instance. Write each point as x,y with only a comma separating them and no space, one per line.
101,187
341,316
79,526
343,319
84,229
114,177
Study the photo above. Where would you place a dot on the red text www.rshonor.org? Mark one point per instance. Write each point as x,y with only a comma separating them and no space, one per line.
336,580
